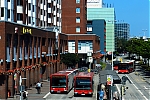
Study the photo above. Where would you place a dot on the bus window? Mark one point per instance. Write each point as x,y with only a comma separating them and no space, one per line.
59,81
83,84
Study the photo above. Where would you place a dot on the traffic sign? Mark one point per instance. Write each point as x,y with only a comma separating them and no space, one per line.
109,79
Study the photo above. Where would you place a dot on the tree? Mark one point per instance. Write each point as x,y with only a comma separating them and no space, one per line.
121,45
70,59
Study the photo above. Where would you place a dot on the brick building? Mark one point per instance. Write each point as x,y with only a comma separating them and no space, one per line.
29,52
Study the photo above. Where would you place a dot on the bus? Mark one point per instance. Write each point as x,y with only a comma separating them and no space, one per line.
123,67
132,65
84,84
62,81
115,64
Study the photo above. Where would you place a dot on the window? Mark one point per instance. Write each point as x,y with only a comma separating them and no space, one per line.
77,19
77,29
19,17
77,1
19,2
29,5
8,13
77,10
2,12
29,20
33,8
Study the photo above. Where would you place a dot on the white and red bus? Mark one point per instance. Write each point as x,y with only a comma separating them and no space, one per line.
62,81
84,84
124,67
132,65
115,64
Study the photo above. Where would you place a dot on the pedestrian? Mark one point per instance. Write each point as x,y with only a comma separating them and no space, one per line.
25,95
38,87
101,94
116,95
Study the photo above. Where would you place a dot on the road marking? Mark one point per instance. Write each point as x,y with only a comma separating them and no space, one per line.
145,87
46,95
119,91
137,88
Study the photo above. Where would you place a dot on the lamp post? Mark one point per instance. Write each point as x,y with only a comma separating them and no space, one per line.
113,21
144,30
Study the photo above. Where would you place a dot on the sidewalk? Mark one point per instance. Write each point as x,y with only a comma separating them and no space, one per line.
143,74
32,92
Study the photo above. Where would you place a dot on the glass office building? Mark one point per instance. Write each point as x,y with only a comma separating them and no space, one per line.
108,14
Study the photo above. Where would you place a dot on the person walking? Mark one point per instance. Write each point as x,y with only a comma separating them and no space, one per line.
38,87
101,94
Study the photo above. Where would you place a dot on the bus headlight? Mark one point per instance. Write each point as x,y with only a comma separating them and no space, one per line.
52,90
76,93
90,92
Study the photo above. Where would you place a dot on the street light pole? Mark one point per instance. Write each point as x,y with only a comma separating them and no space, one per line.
144,30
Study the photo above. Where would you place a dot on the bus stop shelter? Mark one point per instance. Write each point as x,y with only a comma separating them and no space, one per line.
103,77
103,80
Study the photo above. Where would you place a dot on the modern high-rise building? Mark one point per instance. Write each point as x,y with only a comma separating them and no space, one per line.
108,14
98,27
122,31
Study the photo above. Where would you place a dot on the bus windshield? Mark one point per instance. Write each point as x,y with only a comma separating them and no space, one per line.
123,67
59,81
83,83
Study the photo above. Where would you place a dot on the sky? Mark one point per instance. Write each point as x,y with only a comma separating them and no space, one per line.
134,12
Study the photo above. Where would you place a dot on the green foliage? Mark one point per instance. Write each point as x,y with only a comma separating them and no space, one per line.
139,46
70,59
103,65
121,45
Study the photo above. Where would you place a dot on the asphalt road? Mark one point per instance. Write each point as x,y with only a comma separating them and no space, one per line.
70,95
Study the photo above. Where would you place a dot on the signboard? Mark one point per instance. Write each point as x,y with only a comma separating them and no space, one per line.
94,3
25,30
109,80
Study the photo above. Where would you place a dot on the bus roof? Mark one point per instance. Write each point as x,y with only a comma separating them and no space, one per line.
85,74
64,72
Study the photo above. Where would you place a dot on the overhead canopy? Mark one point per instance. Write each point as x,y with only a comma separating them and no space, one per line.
103,77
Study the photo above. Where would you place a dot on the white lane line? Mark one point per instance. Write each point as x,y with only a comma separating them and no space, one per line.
145,87
137,88
119,91
46,95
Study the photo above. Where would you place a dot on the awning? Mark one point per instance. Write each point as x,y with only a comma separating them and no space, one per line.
103,77
98,55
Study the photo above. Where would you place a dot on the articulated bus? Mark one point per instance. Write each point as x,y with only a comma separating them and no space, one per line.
62,81
84,84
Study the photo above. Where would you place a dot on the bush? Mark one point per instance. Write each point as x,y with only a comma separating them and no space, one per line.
103,65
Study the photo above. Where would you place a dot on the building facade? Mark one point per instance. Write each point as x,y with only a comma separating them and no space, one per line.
108,14
122,30
27,52
37,13
98,27
74,16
